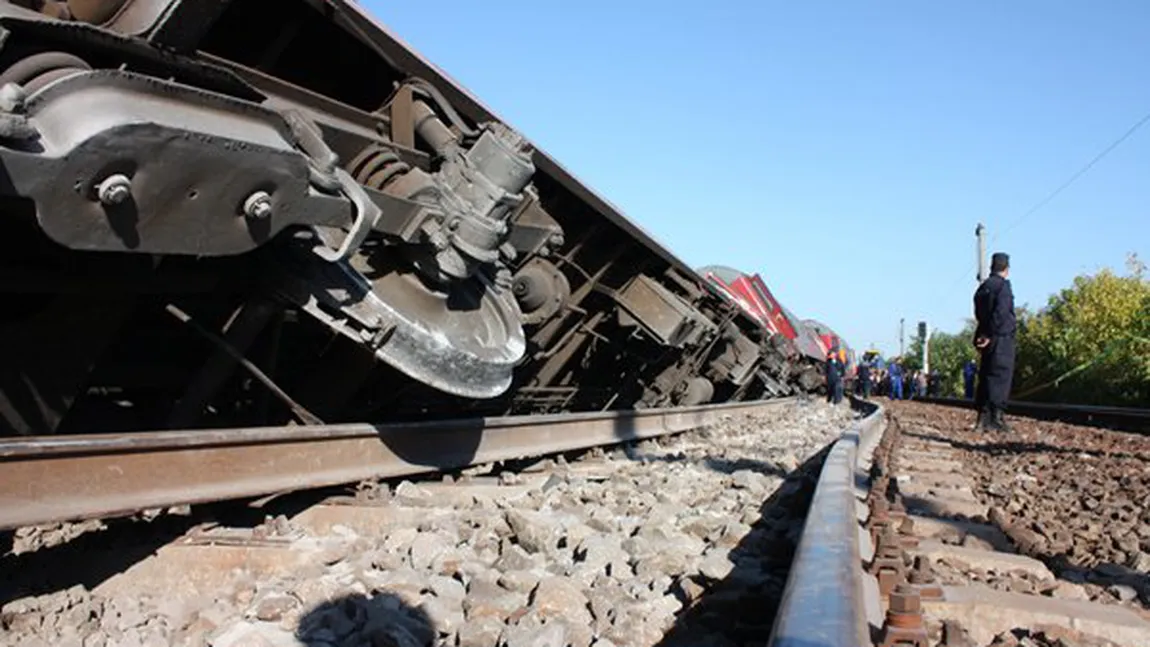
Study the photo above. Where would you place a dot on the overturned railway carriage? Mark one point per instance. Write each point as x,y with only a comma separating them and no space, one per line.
249,212
832,340
799,344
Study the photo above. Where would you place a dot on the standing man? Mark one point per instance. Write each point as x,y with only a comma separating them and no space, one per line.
968,371
864,380
895,381
834,378
994,339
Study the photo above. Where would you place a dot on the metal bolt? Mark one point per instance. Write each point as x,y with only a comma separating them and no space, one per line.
905,599
114,190
258,205
921,578
904,625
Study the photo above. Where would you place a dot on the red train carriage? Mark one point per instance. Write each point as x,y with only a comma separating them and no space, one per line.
832,340
812,339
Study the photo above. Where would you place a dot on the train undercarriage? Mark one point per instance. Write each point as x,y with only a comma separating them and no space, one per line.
261,212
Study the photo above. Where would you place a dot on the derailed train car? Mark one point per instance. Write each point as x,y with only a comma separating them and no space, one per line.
273,211
813,341
835,342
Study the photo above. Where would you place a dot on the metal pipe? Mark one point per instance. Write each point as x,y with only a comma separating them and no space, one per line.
983,268
926,348
431,129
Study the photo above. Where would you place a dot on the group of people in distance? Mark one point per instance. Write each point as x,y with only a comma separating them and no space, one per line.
993,339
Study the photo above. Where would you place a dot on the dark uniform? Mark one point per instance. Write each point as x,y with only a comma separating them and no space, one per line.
969,369
864,379
834,379
895,373
994,311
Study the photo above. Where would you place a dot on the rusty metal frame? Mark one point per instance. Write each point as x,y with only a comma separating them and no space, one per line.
823,603
50,479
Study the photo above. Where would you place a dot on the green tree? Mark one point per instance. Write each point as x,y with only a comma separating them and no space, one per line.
948,352
1091,343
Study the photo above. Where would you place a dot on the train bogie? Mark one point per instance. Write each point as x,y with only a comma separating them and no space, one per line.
211,218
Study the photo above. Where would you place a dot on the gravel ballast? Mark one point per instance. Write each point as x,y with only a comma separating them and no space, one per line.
683,540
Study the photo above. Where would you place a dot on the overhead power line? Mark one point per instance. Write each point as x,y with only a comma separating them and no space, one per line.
1079,173
1054,194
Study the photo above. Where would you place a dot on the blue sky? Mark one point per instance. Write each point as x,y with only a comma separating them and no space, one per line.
844,150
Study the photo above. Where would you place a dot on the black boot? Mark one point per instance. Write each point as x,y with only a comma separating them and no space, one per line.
983,420
1000,423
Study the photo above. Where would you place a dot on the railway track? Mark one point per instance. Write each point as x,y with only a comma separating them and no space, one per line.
928,534
1124,418
51,479
905,529
662,541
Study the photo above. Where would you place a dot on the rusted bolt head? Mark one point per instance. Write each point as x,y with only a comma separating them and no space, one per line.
905,599
114,189
922,572
258,205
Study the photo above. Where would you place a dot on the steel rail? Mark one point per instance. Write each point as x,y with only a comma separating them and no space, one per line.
824,603
62,478
1120,418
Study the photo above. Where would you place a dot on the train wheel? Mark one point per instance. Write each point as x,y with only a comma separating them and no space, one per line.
462,338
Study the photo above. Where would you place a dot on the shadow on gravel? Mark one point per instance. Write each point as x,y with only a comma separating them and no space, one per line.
740,608
86,560
723,465
95,556
1000,445
1106,574
728,466
635,450
383,619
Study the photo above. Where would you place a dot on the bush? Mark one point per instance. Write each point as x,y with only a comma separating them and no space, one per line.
948,352
1090,344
